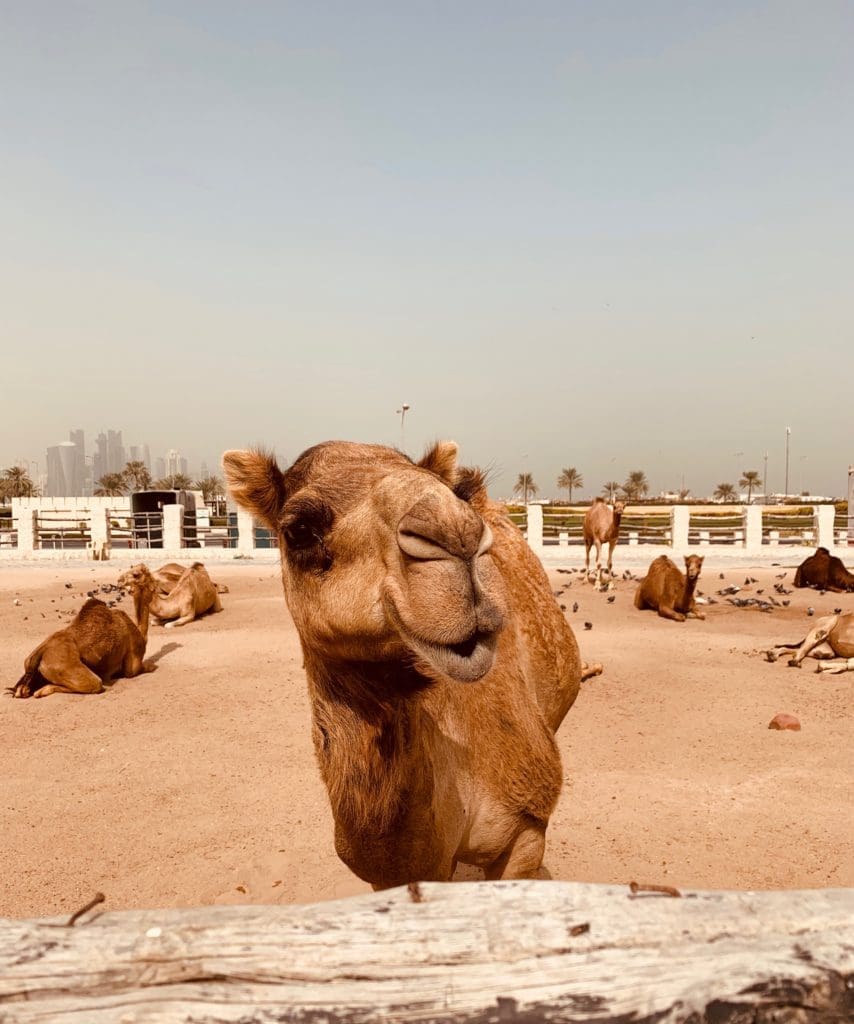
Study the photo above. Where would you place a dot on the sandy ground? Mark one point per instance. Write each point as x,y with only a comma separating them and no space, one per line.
197,783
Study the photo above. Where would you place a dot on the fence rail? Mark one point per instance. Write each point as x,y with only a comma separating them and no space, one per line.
136,530
63,530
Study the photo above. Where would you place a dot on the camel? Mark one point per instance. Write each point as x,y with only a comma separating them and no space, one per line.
98,645
439,665
601,525
824,571
192,595
831,638
666,590
168,575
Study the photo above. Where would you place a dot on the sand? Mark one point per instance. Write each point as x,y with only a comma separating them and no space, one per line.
197,784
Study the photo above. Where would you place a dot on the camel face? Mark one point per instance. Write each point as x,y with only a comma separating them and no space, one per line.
619,508
693,566
381,559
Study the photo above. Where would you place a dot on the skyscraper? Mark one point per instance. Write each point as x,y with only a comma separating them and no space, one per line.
79,439
115,452
62,478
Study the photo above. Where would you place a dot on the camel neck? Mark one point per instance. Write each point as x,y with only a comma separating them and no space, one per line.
141,605
688,592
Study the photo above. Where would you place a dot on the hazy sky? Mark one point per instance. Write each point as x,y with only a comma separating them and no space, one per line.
609,235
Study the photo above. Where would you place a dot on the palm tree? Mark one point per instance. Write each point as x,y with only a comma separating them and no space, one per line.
175,482
211,488
725,492
684,492
750,479
137,476
570,478
15,482
636,485
526,484
610,489
111,485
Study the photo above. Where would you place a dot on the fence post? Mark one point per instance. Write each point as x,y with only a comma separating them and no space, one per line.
99,522
26,528
680,517
173,528
535,527
753,530
824,516
245,533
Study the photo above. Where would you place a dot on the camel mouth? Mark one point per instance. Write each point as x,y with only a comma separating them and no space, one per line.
465,662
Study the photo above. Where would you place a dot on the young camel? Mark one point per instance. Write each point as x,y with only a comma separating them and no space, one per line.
601,526
193,595
439,665
831,638
98,645
664,589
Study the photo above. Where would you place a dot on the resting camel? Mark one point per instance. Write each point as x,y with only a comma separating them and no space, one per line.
98,645
439,665
192,595
168,575
832,637
666,590
824,571
601,525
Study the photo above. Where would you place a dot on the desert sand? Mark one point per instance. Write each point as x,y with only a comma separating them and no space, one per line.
197,784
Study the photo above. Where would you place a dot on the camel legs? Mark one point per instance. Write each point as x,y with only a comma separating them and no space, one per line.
816,636
522,858
836,666
181,622
133,665
67,676
611,545
670,613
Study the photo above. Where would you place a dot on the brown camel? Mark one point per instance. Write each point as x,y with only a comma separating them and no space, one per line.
666,590
192,595
98,645
438,663
601,526
832,637
168,575
824,571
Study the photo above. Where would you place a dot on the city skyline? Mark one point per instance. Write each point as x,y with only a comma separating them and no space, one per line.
609,236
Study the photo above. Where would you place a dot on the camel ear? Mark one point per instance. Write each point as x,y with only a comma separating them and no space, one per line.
256,483
441,459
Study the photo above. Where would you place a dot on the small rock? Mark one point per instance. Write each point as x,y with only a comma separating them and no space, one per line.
784,721
16,603
68,586
810,611
563,607
786,604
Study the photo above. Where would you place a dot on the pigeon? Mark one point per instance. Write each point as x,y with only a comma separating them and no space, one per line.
588,625
563,607
781,575
786,604
575,606
760,591
810,611
837,611
611,599
68,586
722,576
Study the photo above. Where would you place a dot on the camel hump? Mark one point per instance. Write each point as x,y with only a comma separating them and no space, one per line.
598,500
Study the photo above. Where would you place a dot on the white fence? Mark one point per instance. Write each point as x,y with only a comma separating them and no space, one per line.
79,528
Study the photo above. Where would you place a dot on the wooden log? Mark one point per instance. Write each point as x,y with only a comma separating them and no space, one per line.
450,953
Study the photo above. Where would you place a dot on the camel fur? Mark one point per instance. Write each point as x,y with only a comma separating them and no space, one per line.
98,645
439,665
824,571
193,594
830,639
601,526
168,575
666,590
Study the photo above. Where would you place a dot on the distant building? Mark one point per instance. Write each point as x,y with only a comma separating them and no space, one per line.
159,468
62,477
115,452
146,457
81,473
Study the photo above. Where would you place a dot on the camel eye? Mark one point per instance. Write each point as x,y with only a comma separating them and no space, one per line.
300,535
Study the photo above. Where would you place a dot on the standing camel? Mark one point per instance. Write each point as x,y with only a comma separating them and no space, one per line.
439,665
98,645
601,526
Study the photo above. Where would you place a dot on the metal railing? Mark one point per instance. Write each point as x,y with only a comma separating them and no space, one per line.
62,530
717,528
136,529
843,528
198,532
795,527
563,525
8,534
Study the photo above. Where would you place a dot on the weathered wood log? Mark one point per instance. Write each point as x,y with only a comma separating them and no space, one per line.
473,952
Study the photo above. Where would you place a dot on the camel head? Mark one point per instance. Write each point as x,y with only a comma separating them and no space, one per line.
383,559
619,508
693,565
138,580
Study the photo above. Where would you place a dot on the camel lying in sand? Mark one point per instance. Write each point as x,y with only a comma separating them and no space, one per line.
601,526
192,595
439,664
98,645
832,637
666,590
824,571
168,575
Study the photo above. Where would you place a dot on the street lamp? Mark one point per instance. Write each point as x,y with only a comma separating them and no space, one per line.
765,479
403,410
788,435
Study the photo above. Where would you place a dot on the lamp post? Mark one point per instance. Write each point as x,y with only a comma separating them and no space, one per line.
403,410
765,479
788,435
